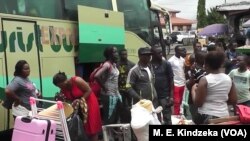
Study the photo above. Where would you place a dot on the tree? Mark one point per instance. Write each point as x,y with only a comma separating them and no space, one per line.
201,14
214,17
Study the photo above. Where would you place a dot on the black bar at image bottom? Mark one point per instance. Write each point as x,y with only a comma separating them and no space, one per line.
215,132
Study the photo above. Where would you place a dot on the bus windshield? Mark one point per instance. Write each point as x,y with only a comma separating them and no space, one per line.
140,19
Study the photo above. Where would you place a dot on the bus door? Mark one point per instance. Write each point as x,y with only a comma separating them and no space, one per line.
21,45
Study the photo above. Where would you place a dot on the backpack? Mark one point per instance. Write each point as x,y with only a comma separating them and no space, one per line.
94,85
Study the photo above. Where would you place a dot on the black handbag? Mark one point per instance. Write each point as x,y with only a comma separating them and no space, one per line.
75,127
6,135
7,103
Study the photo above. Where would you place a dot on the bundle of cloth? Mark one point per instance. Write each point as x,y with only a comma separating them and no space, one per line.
144,114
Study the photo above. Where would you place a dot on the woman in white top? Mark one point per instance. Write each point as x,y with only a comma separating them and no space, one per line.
214,91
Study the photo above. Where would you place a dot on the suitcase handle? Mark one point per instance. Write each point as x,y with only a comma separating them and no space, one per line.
26,119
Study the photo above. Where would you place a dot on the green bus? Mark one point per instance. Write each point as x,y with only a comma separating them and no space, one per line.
70,36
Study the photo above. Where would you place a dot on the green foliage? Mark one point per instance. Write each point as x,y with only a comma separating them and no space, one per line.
201,14
211,17
214,17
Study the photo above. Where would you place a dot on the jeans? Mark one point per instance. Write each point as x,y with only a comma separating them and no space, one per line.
110,110
125,107
165,103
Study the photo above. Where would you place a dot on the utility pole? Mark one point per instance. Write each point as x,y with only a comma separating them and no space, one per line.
225,1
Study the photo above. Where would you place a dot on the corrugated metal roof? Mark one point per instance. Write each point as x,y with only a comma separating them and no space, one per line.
244,5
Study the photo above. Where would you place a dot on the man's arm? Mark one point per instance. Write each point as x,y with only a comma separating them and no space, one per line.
170,76
131,81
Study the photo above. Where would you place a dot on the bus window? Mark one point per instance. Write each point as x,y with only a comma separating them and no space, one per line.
137,18
33,8
55,9
71,6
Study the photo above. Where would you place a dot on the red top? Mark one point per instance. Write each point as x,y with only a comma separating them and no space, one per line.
94,122
74,92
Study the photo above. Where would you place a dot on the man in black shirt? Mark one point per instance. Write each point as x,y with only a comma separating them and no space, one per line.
163,83
124,65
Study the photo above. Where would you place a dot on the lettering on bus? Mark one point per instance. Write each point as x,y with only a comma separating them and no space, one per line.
22,46
55,37
132,51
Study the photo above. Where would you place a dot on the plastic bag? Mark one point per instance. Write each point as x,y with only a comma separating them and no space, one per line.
143,114
244,113
75,127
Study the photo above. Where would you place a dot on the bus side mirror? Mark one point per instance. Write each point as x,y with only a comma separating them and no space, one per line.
149,3
154,6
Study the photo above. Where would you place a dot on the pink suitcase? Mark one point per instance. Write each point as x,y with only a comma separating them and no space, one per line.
31,129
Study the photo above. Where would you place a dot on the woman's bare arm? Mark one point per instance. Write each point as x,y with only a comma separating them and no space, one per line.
98,76
232,96
84,86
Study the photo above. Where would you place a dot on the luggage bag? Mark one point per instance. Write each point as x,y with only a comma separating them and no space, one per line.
57,112
32,129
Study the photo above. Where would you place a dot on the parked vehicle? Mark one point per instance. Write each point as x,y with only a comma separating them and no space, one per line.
173,36
179,36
